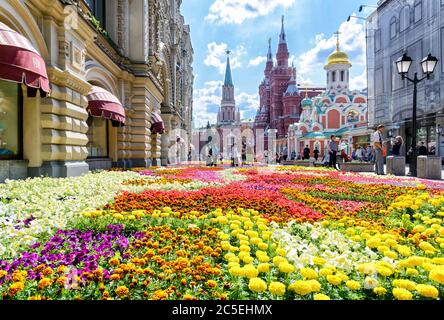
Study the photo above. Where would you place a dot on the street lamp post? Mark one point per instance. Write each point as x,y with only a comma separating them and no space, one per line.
403,65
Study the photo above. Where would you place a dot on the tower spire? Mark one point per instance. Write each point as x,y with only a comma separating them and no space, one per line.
270,54
282,37
228,77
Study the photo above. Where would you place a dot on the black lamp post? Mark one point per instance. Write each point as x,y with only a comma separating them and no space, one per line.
403,65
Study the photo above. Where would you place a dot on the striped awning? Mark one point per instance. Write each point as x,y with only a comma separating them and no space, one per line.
102,103
20,62
157,124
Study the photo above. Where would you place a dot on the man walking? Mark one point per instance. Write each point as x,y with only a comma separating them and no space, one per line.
332,151
378,148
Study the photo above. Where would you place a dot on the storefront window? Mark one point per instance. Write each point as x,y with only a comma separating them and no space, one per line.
98,137
10,124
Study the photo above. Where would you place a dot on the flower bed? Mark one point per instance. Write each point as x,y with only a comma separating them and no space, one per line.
205,233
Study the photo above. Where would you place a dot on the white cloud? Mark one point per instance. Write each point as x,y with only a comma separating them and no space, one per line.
359,82
210,95
217,56
203,98
237,11
257,61
352,40
248,104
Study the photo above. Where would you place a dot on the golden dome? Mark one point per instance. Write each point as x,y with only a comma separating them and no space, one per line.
338,57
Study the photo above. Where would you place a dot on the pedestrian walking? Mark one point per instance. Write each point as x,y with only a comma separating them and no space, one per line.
396,146
316,154
378,146
306,153
332,151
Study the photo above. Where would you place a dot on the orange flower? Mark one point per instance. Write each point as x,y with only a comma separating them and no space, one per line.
122,291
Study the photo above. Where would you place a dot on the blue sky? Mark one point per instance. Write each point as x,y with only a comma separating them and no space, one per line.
244,26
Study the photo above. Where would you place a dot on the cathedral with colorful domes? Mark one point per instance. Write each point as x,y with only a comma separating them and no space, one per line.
337,111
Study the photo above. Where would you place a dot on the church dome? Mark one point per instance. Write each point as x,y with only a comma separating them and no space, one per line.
338,57
306,102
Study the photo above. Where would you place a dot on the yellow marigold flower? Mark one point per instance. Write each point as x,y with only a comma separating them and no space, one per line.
300,287
286,267
383,249
250,271
380,291
236,271
114,277
391,254
334,280
263,246
434,260
412,272
211,284
263,267
384,271
437,275
277,288
309,273
244,248
427,291
404,284
263,258
325,272
321,296
257,285
15,288
122,291
319,261
248,259
373,242
188,297
255,241
315,285
402,294
3,274
353,285
281,252
278,260
45,282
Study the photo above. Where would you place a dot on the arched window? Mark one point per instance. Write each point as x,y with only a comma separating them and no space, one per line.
418,10
393,28
333,76
11,122
404,18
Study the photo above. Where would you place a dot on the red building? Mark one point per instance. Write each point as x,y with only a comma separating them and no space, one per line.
280,98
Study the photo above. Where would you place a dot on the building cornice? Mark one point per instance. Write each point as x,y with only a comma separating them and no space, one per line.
67,79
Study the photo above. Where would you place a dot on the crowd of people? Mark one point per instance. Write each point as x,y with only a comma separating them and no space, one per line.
335,152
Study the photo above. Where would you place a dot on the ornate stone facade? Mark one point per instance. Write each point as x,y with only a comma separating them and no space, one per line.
147,68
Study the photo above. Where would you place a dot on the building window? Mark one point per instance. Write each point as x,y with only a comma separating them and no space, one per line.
342,76
97,8
418,10
393,29
333,76
378,40
404,19
11,107
98,144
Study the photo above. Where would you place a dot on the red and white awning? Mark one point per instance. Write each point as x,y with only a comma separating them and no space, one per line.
102,103
157,124
20,62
